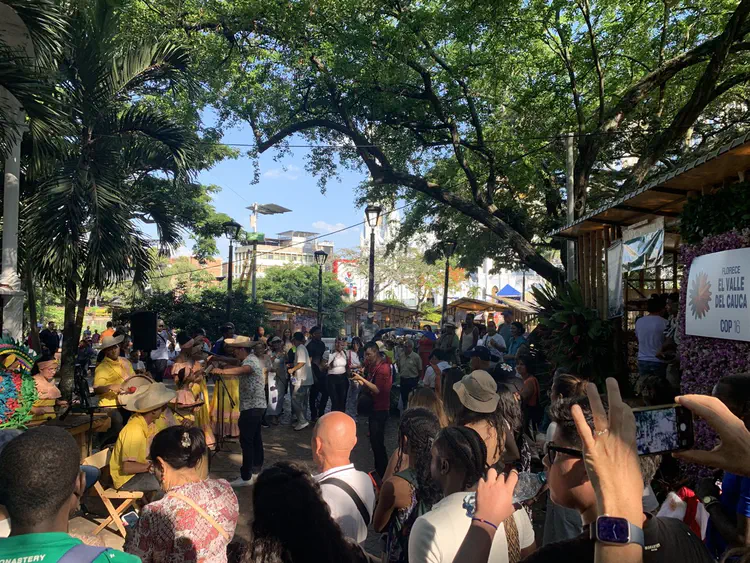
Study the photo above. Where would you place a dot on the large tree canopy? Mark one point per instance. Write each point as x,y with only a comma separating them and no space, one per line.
461,105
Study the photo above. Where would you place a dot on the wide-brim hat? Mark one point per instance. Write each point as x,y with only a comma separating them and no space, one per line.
240,342
478,392
110,341
149,397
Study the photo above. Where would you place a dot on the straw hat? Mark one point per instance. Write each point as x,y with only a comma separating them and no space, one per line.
240,342
110,341
148,398
477,392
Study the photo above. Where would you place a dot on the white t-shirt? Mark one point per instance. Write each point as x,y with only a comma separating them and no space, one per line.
161,352
429,374
304,375
343,510
497,339
437,535
336,362
650,333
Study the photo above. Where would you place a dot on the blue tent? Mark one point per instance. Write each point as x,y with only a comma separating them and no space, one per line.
509,291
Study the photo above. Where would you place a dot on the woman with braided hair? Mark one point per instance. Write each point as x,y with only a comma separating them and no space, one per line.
411,492
458,463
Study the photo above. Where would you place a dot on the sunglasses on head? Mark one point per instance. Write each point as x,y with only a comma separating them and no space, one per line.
553,450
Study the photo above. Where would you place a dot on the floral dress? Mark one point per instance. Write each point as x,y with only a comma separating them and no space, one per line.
171,530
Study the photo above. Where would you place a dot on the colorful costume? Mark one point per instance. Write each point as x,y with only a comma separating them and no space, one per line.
231,414
17,388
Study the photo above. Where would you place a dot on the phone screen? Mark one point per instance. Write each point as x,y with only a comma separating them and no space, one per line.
130,519
662,429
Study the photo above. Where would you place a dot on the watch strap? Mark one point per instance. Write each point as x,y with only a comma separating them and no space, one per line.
636,535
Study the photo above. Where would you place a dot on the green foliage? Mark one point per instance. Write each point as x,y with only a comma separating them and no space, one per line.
184,311
458,107
181,274
574,338
715,213
299,286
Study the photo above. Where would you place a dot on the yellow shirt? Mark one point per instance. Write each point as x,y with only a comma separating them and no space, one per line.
132,445
110,372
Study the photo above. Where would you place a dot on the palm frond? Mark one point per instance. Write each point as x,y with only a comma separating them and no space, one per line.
141,120
148,63
47,26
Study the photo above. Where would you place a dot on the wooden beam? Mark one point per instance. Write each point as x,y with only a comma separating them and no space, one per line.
674,191
647,211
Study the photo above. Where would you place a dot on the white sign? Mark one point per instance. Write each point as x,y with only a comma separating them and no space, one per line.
717,296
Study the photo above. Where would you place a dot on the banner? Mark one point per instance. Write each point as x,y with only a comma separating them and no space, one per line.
643,247
615,303
717,296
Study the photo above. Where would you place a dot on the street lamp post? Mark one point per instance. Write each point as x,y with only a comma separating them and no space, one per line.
449,247
231,230
320,259
372,213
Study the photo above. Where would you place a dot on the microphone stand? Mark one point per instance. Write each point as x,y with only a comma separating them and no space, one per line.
221,385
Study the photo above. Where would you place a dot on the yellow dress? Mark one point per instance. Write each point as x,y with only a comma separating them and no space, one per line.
231,415
203,414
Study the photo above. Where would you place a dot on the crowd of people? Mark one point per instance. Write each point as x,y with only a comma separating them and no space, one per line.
470,421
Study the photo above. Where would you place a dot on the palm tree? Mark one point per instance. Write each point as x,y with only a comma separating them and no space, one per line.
82,218
27,79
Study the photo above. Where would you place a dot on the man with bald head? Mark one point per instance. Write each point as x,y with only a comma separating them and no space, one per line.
349,493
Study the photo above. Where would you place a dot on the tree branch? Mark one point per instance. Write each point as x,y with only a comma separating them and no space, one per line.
705,91
586,11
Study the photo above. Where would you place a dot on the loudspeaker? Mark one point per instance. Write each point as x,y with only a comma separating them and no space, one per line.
143,330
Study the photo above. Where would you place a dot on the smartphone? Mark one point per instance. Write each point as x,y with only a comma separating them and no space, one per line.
130,518
662,429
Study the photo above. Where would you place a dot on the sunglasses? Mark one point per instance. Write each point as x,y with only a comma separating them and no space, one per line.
553,450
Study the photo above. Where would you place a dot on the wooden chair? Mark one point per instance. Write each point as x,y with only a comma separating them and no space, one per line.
100,460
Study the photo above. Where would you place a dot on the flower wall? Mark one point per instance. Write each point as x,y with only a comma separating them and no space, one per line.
706,360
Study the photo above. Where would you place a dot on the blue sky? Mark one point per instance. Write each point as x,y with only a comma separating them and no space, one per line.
286,183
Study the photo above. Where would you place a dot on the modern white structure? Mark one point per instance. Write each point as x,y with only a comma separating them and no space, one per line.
288,248
481,284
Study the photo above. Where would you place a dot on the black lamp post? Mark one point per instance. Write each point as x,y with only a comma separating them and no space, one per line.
449,247
320,260
232,231
372,213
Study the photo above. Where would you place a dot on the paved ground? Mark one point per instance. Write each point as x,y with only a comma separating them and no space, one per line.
281,443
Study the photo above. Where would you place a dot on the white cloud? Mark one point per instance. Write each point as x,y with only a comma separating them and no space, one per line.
286,172
327,227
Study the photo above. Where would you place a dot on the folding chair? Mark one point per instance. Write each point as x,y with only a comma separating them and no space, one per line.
100,460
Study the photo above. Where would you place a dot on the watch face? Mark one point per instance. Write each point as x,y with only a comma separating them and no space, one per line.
612,530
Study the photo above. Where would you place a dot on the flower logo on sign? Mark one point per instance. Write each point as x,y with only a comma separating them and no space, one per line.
700,296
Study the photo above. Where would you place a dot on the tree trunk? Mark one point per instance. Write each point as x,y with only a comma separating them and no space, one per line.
33,319
70,345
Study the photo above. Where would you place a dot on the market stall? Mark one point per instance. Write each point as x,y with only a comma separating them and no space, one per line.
282,316
386,315
651,208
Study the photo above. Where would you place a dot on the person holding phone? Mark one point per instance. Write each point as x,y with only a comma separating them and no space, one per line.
570,485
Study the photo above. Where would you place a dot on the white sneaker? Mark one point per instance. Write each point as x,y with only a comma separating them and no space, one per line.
240,482
301,426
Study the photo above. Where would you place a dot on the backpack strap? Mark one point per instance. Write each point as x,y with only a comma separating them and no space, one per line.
82,553
344,486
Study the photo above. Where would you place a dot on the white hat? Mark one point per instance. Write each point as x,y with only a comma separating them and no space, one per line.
111,341
150,397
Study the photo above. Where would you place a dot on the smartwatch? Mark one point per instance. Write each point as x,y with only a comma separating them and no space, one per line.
612,530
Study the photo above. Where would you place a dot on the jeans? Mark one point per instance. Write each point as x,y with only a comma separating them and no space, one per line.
318,394
378,420
251,442
646,368
300,400
407,386
158,367
338,386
